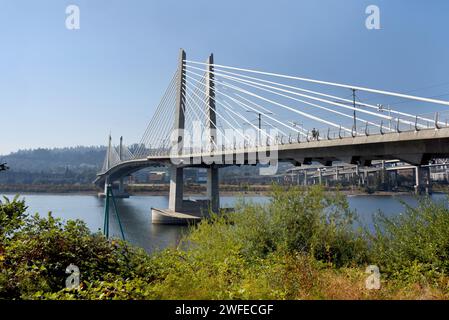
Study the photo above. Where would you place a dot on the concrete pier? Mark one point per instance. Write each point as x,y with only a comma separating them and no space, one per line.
191,211
117,195
167,216
422,180
212,188
118,190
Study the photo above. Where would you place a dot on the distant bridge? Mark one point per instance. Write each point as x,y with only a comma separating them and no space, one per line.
247,117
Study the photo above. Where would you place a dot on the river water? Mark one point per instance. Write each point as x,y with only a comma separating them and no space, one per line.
135,213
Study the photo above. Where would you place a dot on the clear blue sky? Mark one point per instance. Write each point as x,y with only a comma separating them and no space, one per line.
68,88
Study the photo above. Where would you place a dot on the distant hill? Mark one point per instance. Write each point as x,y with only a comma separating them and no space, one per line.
53,166
56,159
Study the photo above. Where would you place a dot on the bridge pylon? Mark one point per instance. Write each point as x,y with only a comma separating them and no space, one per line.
119,190
212,171
182,211
177,172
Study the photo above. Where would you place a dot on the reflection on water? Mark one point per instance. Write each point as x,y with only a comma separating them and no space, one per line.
135,213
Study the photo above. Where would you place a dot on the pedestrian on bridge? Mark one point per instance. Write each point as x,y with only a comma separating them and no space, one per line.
315,134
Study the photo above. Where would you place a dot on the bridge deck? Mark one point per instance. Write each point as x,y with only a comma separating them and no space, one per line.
413,147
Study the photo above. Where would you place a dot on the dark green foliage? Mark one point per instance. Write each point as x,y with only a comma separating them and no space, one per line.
297,220
414,243
12,216
317,223
35,255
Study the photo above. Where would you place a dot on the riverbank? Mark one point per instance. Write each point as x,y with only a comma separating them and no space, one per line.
189,190
290,248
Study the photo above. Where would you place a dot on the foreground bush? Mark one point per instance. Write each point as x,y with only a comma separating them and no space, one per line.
35,251
413,245
296,220
301,245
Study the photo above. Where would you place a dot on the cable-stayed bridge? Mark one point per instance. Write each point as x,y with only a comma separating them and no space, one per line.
214,115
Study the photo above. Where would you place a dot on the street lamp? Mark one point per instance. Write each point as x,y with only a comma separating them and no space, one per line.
381,108
259,118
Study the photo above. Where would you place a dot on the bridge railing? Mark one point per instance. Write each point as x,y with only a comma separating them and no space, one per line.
394,125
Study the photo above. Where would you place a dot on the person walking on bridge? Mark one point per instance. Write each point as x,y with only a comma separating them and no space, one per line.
315,134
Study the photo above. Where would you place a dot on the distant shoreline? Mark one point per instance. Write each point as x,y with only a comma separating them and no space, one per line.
162,190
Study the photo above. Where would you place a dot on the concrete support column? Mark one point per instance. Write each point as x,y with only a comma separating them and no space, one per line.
320,177
393,179
357,173
395,175
106,182
418,180
382,178
422,180
121,186
176,188
305,177
213,193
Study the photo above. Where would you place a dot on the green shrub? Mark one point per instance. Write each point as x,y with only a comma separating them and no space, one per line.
297,220
12,217
318,223
36,254
414,243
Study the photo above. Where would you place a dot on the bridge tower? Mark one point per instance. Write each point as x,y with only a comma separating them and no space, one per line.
121,186
108,164
212,171
177,171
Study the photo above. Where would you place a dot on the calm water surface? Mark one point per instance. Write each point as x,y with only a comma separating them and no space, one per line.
135,213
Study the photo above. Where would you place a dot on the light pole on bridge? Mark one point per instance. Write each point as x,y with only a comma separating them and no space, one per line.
354,106
259,119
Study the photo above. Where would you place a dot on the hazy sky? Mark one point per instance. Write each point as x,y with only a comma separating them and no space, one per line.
62,87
